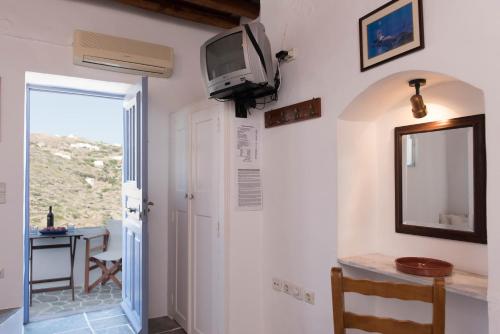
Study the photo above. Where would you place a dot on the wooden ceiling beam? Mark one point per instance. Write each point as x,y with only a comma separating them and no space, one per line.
234,7
185,11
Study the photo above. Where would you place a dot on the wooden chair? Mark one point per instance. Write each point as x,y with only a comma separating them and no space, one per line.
434,294
109,251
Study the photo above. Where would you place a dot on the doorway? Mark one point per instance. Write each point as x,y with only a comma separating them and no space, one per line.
85,163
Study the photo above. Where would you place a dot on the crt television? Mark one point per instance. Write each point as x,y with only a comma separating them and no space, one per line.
238,63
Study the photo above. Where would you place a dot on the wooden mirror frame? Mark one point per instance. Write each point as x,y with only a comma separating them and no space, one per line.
479,234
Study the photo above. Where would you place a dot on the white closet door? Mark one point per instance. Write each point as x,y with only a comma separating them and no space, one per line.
180,166
204,171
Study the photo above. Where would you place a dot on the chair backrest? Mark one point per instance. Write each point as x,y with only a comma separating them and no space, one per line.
114,228
434,294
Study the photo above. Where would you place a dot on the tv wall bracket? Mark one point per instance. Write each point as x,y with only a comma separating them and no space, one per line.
247,101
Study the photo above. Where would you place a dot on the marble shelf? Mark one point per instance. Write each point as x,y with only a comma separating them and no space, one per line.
460,282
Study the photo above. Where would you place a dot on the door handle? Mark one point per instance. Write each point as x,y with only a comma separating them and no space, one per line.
150,204
191,196
132,210
186,195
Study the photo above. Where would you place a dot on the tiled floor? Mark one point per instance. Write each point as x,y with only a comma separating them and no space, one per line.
58,303
109,321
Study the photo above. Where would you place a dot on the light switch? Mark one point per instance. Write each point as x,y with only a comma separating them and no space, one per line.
298,292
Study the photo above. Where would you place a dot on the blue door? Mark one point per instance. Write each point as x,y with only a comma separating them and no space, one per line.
135,207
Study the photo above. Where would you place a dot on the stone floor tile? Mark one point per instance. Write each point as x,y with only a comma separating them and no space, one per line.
54,303
110,312
124,329
48,298
56,325
79,331
108,322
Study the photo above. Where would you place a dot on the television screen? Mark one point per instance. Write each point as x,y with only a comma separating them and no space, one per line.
225,55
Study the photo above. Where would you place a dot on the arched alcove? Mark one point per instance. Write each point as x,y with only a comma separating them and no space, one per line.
366,195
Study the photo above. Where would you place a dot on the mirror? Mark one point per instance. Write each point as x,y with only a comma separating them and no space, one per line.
441,179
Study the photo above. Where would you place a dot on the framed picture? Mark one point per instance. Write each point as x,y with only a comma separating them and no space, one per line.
391,31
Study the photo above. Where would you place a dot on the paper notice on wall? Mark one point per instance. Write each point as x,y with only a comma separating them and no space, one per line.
249,189
247,151
249,192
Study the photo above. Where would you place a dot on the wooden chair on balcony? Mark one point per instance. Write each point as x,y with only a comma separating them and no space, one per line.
434,294
107,252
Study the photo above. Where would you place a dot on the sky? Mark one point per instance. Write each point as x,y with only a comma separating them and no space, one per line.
95,118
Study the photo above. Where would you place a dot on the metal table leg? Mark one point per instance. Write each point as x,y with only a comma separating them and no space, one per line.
72,242
31,272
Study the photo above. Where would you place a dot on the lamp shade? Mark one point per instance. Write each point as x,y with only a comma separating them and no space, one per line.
418,109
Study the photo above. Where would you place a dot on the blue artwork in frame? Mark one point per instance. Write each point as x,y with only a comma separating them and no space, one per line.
391,31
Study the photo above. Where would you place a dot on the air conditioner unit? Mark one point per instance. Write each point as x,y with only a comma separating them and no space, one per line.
122,55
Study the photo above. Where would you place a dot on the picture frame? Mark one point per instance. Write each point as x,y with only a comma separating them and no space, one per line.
391,31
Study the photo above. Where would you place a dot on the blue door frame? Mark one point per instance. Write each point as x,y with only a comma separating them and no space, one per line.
26,224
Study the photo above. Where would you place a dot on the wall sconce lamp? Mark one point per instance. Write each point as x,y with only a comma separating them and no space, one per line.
417,102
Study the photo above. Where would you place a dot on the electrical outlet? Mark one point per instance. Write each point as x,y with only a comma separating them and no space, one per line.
2,273
277,284
297,292
309,297
287,287
291,56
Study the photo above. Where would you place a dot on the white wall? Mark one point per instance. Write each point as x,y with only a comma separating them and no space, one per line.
357,156
300,215
243,245
37,36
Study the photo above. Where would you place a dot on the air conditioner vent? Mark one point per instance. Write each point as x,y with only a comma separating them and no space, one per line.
121,54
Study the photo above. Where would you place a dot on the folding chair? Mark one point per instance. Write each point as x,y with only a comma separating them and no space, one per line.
110,252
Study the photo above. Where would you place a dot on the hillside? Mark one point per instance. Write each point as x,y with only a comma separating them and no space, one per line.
81,179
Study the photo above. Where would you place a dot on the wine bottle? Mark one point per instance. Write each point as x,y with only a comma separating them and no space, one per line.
50,218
